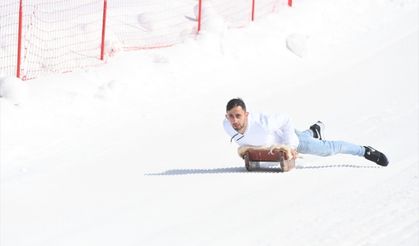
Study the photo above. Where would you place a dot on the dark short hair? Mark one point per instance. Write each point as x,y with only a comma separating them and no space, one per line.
235,102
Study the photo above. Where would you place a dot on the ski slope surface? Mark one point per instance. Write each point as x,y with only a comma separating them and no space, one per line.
133,152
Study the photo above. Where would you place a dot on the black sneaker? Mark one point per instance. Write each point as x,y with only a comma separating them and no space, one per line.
375,156
317,129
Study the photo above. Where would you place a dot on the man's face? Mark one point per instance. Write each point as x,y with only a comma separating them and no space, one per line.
237,118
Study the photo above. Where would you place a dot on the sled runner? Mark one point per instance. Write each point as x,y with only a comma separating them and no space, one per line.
254,156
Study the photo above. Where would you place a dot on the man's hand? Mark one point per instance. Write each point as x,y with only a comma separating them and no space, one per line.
289,153
294,154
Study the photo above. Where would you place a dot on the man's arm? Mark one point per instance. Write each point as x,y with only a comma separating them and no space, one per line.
282,126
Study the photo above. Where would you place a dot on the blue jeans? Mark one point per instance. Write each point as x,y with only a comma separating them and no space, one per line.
310,145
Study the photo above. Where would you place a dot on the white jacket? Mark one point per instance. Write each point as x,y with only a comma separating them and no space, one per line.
265,130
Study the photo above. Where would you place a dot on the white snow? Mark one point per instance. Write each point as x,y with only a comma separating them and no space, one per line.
133,152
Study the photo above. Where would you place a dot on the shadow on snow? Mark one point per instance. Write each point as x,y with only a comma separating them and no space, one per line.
233,170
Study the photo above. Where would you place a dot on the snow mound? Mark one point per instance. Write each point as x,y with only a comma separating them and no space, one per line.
12,89
297,44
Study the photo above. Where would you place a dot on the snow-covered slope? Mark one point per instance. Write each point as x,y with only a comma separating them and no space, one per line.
133,152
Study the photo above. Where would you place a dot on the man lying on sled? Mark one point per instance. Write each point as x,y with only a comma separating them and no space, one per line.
277,131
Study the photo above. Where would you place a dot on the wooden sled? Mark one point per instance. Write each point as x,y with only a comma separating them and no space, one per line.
253,156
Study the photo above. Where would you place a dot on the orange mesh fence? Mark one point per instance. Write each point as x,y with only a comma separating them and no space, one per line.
134,24
62,35
8,36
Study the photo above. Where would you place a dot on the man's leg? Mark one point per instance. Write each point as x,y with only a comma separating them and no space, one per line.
310,145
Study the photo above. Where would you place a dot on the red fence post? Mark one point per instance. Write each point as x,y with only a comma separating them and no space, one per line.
253,10
290,3
199,14
102,47
19,40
